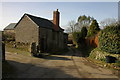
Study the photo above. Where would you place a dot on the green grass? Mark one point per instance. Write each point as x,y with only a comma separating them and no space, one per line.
117,63
20,49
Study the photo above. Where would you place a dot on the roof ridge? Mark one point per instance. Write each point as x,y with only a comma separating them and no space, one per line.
42,18
41,22
36,16
12,23
10,26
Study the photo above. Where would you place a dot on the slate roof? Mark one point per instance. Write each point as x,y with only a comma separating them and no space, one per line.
41,22
10,26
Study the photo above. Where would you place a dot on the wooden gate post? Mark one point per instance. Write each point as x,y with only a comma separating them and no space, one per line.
2,46
3,51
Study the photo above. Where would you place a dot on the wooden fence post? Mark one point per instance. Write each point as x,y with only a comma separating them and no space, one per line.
3,51
2,47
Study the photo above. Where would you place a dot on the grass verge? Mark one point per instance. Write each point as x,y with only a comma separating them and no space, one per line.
19,49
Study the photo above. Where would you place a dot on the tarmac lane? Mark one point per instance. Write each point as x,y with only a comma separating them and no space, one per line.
55,66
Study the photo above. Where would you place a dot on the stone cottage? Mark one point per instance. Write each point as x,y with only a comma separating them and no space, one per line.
9,33
47,34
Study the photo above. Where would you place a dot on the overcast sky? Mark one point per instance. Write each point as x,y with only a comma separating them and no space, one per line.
13,11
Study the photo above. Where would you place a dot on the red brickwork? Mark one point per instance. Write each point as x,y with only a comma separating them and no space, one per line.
92,41
56,19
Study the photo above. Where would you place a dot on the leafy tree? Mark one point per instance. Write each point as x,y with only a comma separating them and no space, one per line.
79,37
83,21
84,32
108,22
76,37
93,29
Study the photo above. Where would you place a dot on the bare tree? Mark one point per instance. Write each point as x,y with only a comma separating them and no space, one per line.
108,22
71,27
83,21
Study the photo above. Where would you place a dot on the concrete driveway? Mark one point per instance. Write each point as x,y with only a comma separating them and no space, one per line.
55,66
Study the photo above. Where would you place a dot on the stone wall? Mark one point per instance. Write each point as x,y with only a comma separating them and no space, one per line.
51,40
9,35
58,40
9,31
45,39
26,31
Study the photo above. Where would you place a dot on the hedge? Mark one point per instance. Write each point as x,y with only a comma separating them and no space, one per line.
109,39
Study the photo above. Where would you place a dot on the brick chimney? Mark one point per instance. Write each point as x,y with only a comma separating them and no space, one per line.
56,19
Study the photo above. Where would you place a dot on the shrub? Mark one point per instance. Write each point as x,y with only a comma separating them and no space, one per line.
76,36
9,37
84,32
109,39
118,63
80,36
93,29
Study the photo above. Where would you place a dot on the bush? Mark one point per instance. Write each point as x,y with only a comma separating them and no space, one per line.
93,29
83,32
79,37
118,63
9,37
76,36
109,39
98,54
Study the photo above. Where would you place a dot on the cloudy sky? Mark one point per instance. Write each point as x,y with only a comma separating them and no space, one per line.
13,11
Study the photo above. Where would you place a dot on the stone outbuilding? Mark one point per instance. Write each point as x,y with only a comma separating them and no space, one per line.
47,34
10,28
9,33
